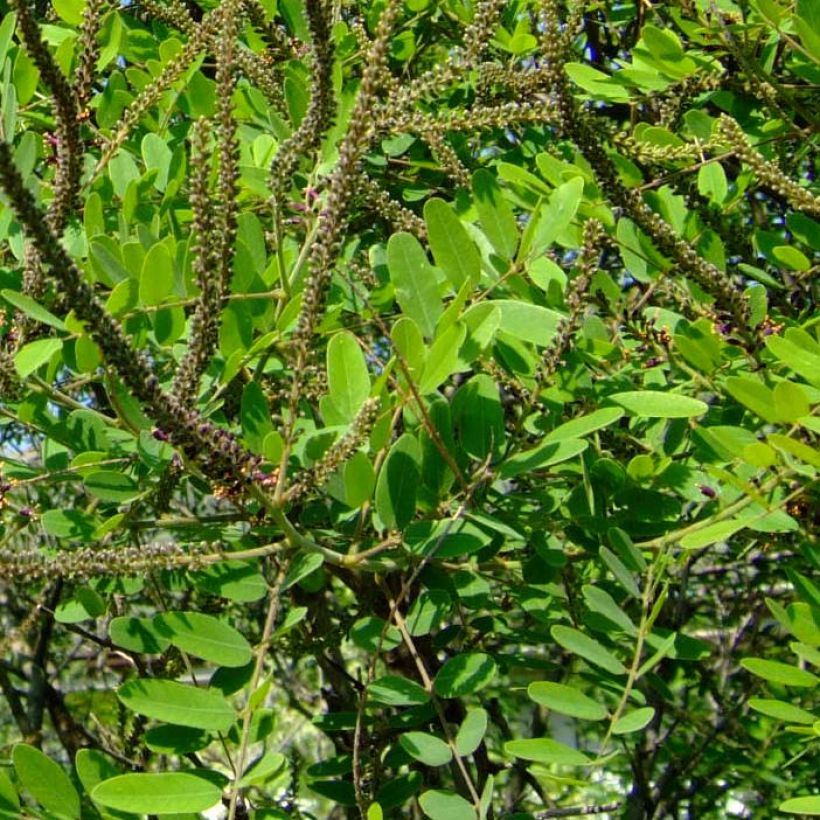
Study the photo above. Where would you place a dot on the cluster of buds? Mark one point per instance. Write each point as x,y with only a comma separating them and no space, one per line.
339,452
767,172
342,179
390,209
319,114
119,561
89,52
577,299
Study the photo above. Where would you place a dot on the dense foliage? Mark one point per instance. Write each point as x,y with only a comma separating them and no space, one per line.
409,408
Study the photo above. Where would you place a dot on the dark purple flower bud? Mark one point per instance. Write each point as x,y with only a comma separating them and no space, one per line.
708,491
160,435
26,512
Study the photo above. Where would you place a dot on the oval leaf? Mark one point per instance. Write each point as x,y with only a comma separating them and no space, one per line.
179,703
397,483
347,376
204,637
658,405
471,732
428,749
137,635
776,672
455,253
414,281
589,649
779,710
441,805
633,721
464,674
566,700
545,750
802,805
157,793
46,781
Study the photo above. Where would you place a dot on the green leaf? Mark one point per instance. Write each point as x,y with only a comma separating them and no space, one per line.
204,636
600,601
547,751
180,740
796,448
567,700
69,10
158,276
394,690
552,219
584,425
800,359
33,355
409,343
123,170
589,649
545,455
479,417
655,404
782,673
7,25
442,805
712,182
790,401
415,282
347,376
711,534
359,480
397,483
754,395
471,732
137,635
303,565
234,580
633,721
398,790
455,253
93,767
627,550
621,573
264,768
443,359
802,805
83,605
108,485
598,84
157,793
45,781
464,674
68,524
427,612
779,710
9,801
157,156
495,214
179,703
427,749
255,415
373,634
32,308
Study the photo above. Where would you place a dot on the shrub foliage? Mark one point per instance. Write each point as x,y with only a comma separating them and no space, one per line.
409,408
